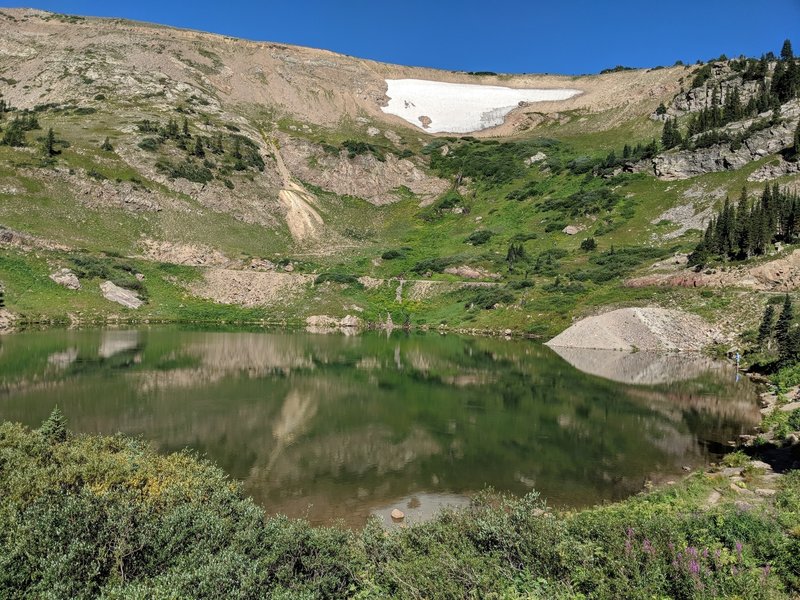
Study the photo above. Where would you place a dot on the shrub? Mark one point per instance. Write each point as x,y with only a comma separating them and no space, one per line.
434,265
589,244
187,169
149,144
478,238
487,297
392,254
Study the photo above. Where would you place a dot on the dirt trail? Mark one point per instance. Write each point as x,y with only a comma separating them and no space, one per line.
303,220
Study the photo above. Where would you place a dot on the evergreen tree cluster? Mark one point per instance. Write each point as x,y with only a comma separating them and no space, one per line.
14,132
726,105
671,135
749,228
516,252
781,332
239,152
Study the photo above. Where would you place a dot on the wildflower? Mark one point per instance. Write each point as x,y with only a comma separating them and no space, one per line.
694,567
647,547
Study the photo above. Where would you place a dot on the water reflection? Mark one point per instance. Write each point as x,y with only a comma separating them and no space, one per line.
335,427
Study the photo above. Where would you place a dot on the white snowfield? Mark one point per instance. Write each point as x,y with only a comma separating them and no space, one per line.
439,107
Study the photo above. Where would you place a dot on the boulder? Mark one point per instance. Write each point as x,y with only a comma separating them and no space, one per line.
398,515
570,230
350,321
126,298
66,278
538,157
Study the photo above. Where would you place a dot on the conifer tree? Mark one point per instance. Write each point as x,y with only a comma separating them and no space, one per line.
198,148
106,145
49,147
54,429
765,329
784,323
786,50
186,128
797,141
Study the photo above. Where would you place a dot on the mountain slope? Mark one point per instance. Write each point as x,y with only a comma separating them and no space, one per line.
208,173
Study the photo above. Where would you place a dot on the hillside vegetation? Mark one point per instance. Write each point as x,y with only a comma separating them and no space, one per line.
213,178
87,517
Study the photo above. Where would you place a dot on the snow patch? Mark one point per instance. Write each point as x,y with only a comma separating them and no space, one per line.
438,107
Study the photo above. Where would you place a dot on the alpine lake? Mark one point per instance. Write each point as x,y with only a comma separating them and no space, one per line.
341,427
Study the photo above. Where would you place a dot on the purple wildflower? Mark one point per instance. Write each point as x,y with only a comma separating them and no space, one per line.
694,567
647,547
739,548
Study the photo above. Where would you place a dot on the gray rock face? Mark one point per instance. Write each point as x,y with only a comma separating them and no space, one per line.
350,321
126,298
721,157
66,278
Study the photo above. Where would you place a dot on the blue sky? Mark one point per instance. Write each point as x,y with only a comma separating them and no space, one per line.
558,36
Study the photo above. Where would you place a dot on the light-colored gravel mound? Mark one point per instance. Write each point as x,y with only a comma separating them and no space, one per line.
630,329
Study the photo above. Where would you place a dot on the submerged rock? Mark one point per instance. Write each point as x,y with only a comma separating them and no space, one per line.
398,515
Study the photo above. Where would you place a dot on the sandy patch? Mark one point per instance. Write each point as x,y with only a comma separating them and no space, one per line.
251,288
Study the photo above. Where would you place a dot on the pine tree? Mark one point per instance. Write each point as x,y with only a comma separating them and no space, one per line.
797,141
106,145
2,298
198,148
743,230
765,329
786,51
49,147
784,323
54,429
186,128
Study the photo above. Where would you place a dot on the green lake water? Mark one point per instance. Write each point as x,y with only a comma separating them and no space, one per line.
332,427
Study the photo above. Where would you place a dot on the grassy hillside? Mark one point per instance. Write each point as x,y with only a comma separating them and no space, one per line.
180,187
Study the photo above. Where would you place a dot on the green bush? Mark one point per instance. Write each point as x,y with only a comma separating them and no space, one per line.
392,254
478,238
149,144
187,169
487,297
87,516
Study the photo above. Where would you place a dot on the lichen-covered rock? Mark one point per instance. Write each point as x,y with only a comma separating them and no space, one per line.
126,298
66,278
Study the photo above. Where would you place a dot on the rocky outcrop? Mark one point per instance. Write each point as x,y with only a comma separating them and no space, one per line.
775,169
723,157
468,272
631,329
779,275
7,321
126,298
363,176
66,278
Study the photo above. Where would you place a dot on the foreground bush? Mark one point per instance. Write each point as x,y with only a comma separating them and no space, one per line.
87,516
